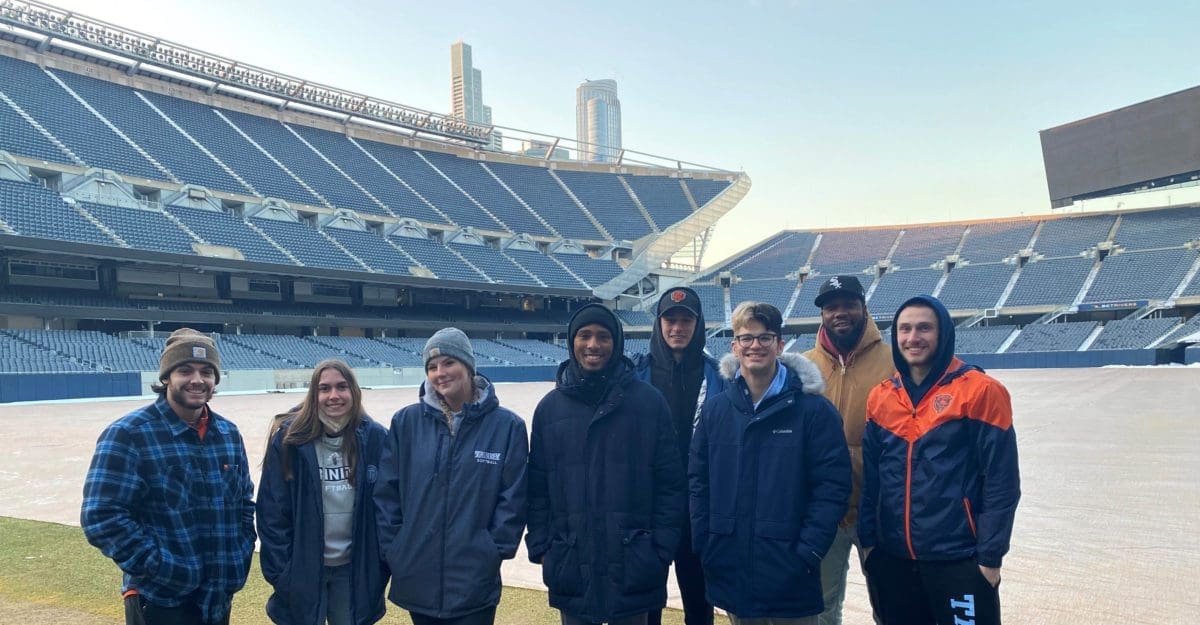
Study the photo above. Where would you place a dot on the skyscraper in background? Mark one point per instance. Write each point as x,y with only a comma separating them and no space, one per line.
466,90
598,120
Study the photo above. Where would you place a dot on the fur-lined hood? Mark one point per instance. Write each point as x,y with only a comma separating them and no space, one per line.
809,374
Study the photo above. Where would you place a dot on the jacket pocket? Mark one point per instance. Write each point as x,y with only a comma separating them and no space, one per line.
561,571
777,570
643,570
720,541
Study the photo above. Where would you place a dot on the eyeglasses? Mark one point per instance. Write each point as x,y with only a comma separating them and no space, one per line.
746,340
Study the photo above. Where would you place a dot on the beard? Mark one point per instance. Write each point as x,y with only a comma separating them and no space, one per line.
183,398
848,341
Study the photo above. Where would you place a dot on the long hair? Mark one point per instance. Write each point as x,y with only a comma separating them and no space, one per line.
303,424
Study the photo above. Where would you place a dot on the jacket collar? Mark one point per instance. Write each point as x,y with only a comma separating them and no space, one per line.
801,371
484,403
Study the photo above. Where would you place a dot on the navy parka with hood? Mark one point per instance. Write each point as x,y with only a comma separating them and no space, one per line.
768,487
291,526
451,507
606,490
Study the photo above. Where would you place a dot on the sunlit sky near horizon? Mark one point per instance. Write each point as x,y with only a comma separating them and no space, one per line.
843,113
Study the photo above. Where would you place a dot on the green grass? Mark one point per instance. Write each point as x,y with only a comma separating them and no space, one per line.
53,565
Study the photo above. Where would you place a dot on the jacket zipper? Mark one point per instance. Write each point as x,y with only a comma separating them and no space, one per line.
970,517
908,501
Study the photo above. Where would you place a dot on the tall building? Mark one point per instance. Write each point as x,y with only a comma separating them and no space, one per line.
466,90
598,120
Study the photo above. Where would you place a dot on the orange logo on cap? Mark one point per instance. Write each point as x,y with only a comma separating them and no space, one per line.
677,296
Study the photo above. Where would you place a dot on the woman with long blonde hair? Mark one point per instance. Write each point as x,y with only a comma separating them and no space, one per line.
316,519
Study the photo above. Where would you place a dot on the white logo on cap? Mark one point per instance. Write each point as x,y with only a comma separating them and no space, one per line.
199,352
434,352
835,283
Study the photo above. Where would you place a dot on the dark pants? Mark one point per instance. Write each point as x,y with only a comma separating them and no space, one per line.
919,592
482,617
690,575
637,619
139,612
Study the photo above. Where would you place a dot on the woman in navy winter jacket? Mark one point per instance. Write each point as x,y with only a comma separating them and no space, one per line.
315,514
451,497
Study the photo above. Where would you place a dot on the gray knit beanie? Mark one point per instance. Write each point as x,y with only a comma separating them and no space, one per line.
450,342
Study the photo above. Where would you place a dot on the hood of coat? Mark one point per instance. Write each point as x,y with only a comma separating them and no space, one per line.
485,400
803,368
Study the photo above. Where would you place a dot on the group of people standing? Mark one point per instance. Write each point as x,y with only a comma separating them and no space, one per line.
754,474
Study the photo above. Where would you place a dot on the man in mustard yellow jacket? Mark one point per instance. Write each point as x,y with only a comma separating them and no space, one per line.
852,359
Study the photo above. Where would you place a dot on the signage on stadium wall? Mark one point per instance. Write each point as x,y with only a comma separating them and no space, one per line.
1114,305
54,22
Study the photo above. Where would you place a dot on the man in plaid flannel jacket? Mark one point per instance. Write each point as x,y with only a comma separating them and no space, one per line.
168,496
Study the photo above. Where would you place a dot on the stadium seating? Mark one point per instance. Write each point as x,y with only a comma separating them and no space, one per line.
1158,229
662,197
1052,337
712,301
774,292
980,339
803,343
35,211
805,307
925,245
975,286
1132,333
20,356
1141,275
70,122
1187,329
1050,282
593,271
851,251
545,268
636,317
497,266
895,287
545,196
607,200
141,123
995,241
438,259
369,350
296,349
19,137
228,145
144,229
373,250
305,243
486,190
306,165
782,256
1070,236
548,351
229,230
703,191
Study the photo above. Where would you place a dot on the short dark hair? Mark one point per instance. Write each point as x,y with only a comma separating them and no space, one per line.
766,314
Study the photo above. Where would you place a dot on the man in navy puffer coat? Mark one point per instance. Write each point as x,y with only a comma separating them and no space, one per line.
769,477
606,484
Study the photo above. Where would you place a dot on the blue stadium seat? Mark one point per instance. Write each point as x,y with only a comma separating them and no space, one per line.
1053,337
1140,275
1156,229
373,250
69,121
535,186
995,241
851,251
896,287
1069,236
545,268
306,244
972,287
607,200
703,191
1050,282
35,211
481,186
228,230
146,229
774,292
438,259
121,106
922,246
497,266
980,339
1132,333
662,197
593,271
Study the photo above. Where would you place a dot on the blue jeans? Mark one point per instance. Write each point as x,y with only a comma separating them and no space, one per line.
335,596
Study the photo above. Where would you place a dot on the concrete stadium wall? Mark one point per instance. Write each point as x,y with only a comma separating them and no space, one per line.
1191,355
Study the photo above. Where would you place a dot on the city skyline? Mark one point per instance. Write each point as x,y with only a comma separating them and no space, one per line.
598,120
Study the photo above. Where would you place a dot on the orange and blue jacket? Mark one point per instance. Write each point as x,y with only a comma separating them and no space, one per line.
941,480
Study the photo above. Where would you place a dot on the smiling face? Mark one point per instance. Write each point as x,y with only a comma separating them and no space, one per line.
189,387
593,347
757,357
450,378
917,335
677,326
844,317
334,396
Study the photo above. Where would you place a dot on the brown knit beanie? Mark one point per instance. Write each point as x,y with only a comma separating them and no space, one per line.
187,345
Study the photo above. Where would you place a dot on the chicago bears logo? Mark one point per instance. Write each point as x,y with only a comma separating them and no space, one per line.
677,296
942,402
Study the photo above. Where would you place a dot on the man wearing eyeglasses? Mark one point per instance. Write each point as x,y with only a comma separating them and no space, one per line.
852,358
769,478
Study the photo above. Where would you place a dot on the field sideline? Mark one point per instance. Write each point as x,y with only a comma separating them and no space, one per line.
1108,530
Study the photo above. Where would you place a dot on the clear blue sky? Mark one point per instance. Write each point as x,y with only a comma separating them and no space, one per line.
844,113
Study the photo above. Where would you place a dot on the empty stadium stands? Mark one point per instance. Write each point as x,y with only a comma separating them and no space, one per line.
926,245
895,287
1051,337
1132,333
975,286
1144,275
31,210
